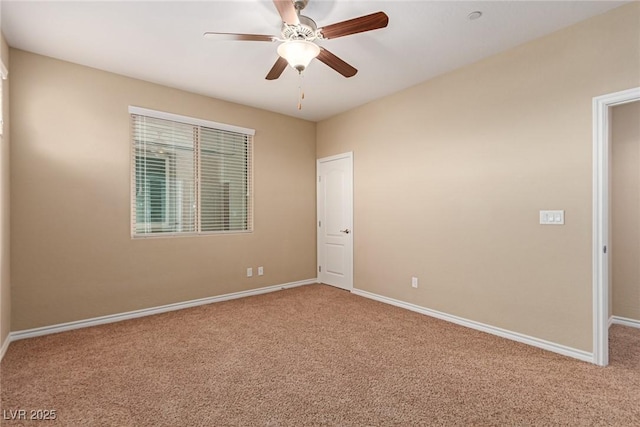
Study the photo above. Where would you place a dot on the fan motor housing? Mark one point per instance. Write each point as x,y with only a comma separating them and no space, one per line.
306,30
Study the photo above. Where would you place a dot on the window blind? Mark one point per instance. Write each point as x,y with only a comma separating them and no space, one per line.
224,181
189,179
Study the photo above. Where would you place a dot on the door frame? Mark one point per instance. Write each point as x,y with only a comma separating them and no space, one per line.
347,155
601,147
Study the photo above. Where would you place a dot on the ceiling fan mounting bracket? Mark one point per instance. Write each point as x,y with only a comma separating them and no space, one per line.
300,4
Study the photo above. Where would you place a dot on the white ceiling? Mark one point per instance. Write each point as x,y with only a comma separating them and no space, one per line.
162,42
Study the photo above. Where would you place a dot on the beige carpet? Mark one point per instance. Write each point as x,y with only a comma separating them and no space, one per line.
312,355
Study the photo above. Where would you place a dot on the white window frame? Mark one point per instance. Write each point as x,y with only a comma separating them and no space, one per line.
3,76
206,124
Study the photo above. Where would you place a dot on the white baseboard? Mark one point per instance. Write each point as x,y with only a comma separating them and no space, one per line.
515,336
62,327
625,321
610,321
5,346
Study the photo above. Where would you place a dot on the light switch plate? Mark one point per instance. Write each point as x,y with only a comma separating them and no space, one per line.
552,217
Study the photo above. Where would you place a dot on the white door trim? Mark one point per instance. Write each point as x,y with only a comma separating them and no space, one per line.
601,131
347,155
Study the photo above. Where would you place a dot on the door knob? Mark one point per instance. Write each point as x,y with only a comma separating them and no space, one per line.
345,231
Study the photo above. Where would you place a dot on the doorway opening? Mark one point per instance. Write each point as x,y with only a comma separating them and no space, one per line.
601,216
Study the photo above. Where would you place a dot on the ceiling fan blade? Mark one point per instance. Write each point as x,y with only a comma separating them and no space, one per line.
241,37
356,25
336,63
277,68
287,11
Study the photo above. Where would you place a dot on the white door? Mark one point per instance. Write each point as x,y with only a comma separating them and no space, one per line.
335,220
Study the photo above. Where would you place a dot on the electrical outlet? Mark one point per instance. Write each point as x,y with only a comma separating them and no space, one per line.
249,272
414,282
260,271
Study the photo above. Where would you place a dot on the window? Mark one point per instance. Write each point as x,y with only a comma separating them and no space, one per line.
189,176
3,77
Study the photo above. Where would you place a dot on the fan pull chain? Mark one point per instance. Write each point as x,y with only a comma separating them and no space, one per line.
301,95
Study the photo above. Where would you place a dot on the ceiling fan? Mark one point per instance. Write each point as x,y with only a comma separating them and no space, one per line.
298,34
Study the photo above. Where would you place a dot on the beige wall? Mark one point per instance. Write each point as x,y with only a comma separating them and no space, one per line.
72,255
5,284
625,210
450,175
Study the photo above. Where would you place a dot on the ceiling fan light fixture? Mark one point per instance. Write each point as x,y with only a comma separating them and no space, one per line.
298,53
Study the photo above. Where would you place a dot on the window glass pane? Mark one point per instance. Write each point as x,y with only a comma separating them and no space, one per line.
165,197
151,189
